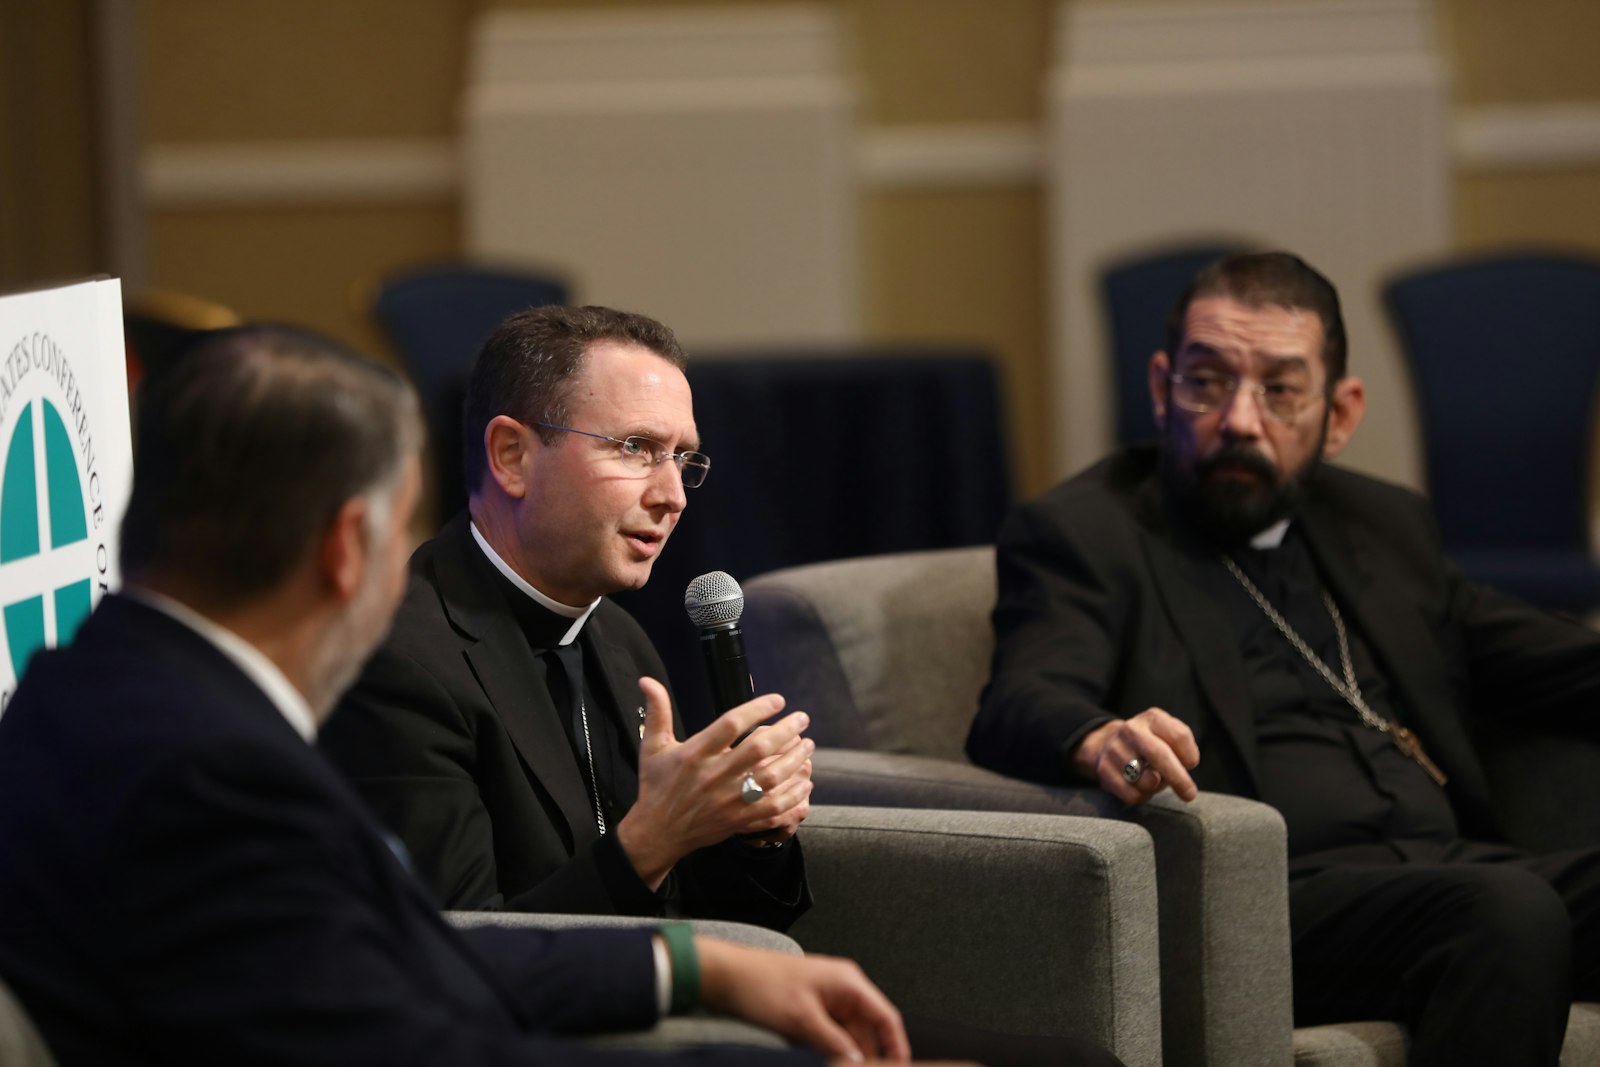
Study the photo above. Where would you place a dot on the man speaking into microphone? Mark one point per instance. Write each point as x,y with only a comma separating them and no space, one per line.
516,730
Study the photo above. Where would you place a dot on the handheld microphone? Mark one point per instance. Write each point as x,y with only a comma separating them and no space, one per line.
714,602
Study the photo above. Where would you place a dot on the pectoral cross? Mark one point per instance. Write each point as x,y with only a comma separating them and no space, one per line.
1407,742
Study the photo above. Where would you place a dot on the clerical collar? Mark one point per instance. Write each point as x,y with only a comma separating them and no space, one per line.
579,616
251,661
1272,536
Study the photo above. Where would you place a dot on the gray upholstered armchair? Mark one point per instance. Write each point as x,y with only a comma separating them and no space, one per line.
20,1043
1063,943
889,654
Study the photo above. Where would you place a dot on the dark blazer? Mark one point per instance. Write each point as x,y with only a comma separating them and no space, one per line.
183,879
1101,613
453,739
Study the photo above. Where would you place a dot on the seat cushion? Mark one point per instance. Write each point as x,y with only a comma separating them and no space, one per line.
1377,1044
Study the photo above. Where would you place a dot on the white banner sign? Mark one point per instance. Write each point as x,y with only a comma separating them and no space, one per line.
66,463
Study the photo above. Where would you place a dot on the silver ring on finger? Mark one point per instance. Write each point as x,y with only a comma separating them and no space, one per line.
1133,770
750,790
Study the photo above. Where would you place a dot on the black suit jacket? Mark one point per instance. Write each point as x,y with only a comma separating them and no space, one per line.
183,879
452,737
1101,613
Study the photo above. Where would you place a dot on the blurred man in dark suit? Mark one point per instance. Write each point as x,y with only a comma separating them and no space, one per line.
1225,611
186,880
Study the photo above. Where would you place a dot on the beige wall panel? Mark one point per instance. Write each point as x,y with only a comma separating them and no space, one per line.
47,201
1559,209
952,60
696,165
299,265
309,266
919,60
965,268
1523,51
247,70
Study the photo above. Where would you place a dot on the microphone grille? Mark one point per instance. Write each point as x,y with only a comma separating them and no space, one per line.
714,599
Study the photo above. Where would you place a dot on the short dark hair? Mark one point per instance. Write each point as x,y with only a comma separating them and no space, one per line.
526,367
1256,279
247,447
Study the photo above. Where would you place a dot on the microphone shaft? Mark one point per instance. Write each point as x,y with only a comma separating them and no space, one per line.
727,671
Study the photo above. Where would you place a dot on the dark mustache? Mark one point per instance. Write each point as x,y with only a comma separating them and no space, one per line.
1237,456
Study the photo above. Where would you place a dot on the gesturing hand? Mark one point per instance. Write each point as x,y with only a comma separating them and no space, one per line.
689,791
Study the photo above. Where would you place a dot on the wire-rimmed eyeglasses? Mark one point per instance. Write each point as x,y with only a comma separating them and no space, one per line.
1203,391
644,455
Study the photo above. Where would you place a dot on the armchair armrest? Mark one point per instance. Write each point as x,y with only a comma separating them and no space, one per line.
20,1043
1222,884
743,933
1222,872
676,1032
1024,923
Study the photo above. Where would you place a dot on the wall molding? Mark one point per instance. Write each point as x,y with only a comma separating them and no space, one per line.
1524,137
964,155
1485,139
280,173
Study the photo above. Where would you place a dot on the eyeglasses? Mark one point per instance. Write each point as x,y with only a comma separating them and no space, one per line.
642,455
1205,391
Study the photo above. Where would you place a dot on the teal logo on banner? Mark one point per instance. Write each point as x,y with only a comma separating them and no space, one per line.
55,537
47,527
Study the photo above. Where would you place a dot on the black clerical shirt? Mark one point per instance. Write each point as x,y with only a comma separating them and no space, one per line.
723,869
615,761
1338,783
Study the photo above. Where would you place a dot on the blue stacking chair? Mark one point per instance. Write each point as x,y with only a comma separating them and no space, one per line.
1139,294
1505,353
437,318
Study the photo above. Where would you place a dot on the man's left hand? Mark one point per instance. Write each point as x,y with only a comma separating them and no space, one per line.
797,784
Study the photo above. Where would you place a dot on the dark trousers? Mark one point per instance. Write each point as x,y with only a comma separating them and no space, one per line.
1478,949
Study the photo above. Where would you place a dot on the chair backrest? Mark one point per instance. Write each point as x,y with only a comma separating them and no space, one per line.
1505,354
20,1043
888,653
1139,294
439,316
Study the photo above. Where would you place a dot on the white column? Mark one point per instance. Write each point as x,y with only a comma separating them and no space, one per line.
1319,126
696,165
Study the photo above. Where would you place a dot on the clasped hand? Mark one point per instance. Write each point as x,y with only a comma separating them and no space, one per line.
689,791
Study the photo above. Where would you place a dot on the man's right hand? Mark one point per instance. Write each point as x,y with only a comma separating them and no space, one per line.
689,794
1163,743
824,1002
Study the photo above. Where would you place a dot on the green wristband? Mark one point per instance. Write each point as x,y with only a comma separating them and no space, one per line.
685,967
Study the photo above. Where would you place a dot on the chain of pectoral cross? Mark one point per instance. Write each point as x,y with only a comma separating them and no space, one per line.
1347,687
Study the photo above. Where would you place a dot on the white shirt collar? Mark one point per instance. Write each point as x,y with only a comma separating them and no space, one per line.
242,654
1272,536
578,615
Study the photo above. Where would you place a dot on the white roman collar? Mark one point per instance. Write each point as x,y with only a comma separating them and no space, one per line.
1272,536
578,615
